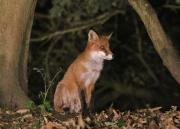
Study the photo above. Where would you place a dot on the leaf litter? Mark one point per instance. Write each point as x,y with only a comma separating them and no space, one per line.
149,118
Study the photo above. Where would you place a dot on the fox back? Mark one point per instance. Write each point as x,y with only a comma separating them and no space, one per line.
82,74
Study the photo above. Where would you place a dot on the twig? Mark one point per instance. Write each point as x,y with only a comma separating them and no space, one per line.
49,81
44,16
172,6
92,22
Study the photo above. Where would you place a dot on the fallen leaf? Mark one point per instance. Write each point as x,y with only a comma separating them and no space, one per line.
52,125
27,116
23,111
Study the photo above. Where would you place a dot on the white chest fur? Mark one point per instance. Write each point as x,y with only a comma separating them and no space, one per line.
93,72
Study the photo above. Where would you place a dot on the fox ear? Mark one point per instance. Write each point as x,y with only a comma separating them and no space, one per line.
92,36
109,36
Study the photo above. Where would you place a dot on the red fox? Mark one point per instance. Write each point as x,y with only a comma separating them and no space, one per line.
82,74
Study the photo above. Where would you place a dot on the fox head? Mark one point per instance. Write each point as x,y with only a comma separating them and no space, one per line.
99,46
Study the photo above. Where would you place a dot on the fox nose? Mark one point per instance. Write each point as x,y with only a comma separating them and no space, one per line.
109,56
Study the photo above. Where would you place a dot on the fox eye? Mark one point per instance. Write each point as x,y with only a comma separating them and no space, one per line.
101,47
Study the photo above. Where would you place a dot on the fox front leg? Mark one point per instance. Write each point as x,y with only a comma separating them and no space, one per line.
88,96
75,105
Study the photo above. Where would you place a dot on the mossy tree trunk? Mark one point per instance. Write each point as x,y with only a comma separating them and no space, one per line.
16,17
161,42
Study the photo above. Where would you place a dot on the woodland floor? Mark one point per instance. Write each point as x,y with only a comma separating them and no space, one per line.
149,118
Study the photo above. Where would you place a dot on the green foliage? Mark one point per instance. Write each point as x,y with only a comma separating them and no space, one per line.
177,1
121,123
30,104
45,106
80,9
116,124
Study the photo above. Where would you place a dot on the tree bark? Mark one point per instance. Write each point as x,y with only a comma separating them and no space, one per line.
161,42
16,18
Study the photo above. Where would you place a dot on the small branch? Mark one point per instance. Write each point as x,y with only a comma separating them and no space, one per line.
44,16
87,24
172,6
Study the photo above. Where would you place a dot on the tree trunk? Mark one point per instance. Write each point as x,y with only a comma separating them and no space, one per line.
161,42
16,18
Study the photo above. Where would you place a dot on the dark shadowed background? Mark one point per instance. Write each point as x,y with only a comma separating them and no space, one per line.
135,77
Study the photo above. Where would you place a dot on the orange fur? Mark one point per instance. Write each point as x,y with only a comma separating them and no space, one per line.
82,74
